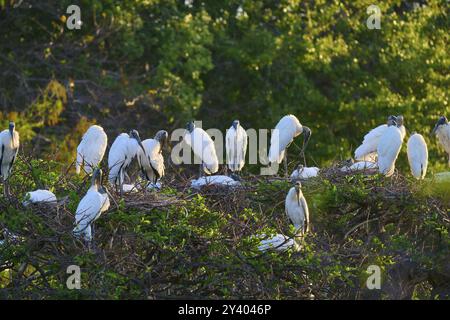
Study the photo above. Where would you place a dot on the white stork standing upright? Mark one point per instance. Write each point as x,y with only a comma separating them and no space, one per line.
367,151
91,149
442,131
297,208
152,161
388,148
93,204
417,155
121,154
236,146
285,131
203,147
9,140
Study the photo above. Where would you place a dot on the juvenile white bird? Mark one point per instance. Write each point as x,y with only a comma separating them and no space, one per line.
9,140
214,180
388,148
304,172
278,242
297,208
442,131
352,166
367,151
91,149
152,161
417,155
39,196
285,131
121,154
236,146
93,204
203,147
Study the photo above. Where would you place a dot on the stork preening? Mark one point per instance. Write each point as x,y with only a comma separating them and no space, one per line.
121,154
297,209
203,147
285,131
91,149
151,159
39,196
367,151
417,155
236,146
93,204
389,147
9,140
442,131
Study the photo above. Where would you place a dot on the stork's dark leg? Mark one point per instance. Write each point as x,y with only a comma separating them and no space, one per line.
304,158
286,166
200,167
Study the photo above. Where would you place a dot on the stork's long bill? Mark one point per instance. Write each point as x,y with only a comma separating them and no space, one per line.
11,132
306,137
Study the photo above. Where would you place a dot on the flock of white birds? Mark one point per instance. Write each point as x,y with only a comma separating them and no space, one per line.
377,153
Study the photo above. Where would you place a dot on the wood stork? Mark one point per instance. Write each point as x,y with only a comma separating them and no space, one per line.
367,151
151,159
303,172
203,147
388,148
278,242
93,204
9,140
297,208
91,149
236,146
215,180
39,196
417,155
352,166
121,154
442,131
285,131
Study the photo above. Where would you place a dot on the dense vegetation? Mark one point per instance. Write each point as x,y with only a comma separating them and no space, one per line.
154,64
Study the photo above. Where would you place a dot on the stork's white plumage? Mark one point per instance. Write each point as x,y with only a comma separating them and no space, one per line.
442,131
39,196
417,155
304,172
93,204
214,180
203,147
121,154
360,166
9,146
152,161
367,151
297,208
388,149
91,149
236,146
285,131
278,242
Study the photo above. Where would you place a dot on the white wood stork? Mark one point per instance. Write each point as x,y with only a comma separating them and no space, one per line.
303,172
39,196
91,149
442,131
152,161
367,151
93,204
278,242
417,155
203,147
121,154
220,180
285,131
388,148
9,140
236,146
297,208
353,166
